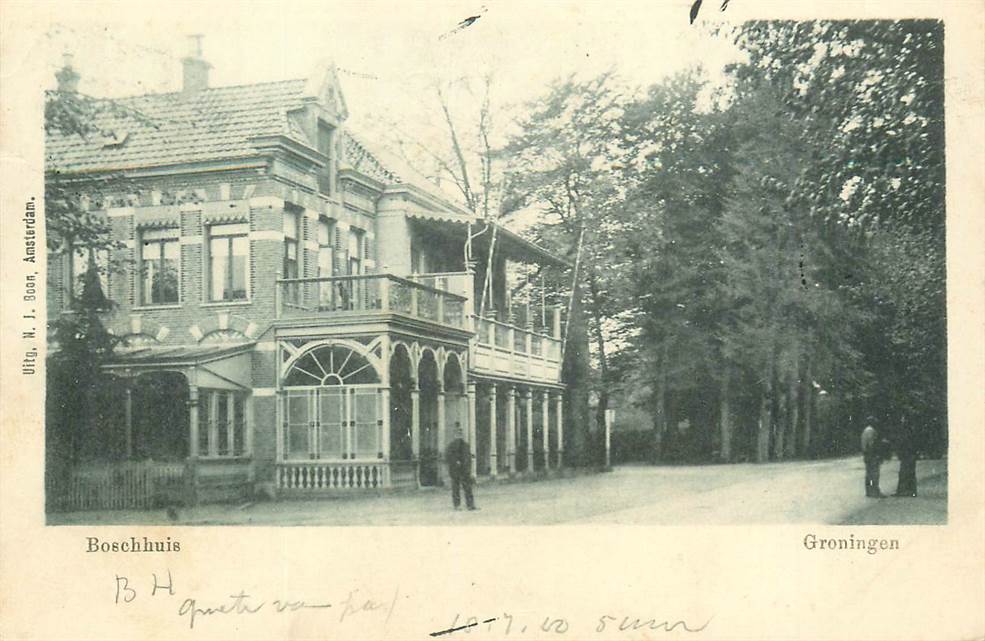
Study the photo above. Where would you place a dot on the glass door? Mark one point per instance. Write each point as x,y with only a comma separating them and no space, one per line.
332,423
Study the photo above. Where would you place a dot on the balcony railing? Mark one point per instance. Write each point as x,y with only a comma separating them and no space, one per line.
306,297
505,349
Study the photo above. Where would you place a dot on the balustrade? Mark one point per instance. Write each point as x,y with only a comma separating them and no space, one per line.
305,297
339,475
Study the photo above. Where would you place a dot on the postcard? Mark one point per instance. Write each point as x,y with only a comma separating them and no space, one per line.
492,320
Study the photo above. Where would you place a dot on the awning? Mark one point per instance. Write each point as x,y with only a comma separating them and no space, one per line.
211,366
507,241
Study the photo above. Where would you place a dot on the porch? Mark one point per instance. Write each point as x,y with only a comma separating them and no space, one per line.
379,414
173,427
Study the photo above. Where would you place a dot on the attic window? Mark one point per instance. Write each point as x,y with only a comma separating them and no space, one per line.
326,135
114,139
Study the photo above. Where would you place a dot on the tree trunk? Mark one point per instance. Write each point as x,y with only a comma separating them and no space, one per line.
780,424
660,423
603,360
793,411
765,415
808,384
725,420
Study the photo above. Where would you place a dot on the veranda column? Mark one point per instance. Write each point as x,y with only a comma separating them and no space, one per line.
529,398
511,429
493,453
191,468
385,436
472,431
193,421
559,399
441,429
128,416
546,428
415,430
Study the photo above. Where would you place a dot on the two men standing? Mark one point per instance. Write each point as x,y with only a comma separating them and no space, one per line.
875,449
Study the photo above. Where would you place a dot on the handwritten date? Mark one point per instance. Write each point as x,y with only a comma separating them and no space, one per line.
506,624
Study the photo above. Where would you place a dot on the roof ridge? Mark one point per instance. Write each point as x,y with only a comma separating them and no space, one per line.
164,94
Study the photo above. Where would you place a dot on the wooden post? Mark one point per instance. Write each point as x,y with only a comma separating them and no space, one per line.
529,398
610,416
230,422
191,469
415,430
128,416
560,429
385,435
193,421
248,425
493,453
511,429
546,429
384,292
472,431
441,428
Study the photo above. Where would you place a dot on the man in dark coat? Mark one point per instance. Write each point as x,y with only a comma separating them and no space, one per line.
872,456
459,459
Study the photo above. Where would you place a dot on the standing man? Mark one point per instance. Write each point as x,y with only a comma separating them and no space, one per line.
460,470
872,457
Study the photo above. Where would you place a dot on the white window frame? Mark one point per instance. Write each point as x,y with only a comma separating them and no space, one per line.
166,234
227,230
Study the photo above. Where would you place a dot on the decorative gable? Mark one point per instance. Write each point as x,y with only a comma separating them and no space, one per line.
323,86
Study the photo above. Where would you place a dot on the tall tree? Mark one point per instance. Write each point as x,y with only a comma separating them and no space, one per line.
868,96
563,162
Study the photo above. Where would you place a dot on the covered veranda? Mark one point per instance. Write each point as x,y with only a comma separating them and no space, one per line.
176,429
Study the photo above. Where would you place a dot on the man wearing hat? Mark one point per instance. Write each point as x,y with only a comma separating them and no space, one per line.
459,460
872,456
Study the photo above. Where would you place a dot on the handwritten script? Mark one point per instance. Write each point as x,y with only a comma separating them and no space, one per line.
193,609
506,624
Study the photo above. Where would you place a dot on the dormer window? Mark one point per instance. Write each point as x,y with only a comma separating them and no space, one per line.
326,139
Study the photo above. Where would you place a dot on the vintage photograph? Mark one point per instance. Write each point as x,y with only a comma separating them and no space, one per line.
495,276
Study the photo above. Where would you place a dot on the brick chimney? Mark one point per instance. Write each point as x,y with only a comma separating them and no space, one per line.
68,78
196,69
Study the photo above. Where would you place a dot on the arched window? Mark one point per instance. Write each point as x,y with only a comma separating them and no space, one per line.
331,365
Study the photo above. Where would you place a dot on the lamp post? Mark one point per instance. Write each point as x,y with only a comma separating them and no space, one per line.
610,417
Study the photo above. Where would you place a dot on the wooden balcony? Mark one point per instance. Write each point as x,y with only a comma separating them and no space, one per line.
499,349
509,351
340,296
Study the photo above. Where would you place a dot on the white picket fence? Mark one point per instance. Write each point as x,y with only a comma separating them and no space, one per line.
127,484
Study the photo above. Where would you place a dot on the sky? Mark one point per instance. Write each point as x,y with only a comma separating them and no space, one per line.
388,54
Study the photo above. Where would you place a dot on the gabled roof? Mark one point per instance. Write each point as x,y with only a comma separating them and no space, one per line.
221,124
212,124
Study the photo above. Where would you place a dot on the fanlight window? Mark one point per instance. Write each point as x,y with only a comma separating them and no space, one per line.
331,365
